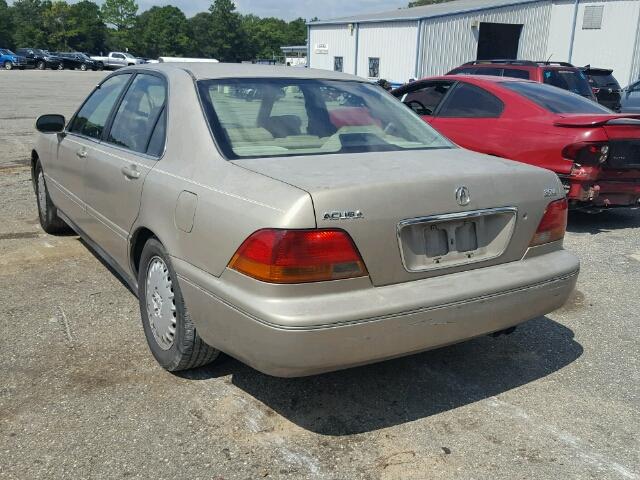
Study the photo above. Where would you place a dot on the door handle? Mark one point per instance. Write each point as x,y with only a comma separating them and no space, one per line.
130,171
81,153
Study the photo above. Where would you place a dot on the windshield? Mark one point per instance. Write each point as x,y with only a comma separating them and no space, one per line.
128,55
572,80
555,100
269,117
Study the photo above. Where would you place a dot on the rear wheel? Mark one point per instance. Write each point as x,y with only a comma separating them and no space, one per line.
171,335
47,212
41,65
83,67
60,67
8,65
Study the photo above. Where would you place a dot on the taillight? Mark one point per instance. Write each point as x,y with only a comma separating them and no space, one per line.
553,224
298,256
587,153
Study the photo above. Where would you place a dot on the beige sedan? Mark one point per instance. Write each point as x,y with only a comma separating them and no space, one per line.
299,220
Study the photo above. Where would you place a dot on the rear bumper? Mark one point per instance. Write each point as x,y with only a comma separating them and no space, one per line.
604,193
293,336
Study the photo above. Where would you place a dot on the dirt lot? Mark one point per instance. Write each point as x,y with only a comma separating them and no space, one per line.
81,396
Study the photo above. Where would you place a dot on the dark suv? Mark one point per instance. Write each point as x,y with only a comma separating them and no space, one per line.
75,60
559,74
37,58
605,87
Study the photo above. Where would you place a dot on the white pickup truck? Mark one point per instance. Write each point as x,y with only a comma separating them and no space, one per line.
117,60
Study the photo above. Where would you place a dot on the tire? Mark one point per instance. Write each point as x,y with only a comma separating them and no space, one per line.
100,67
8,65
47,212
41,66
83,67
60,66
183,348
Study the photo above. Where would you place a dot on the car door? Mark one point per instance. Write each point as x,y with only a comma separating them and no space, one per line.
65,175
425,97
118,60
471,117
631,99
115,173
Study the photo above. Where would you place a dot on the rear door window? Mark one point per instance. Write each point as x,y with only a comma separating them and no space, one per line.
516,73
555,100
92,116
469,101
572,80
494,72
138,113
425,99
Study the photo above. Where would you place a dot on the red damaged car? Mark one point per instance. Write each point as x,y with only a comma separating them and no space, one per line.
594,151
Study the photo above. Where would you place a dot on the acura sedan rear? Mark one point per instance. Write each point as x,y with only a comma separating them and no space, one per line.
301,221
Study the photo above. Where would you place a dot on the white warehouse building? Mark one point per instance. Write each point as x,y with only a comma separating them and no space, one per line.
431,40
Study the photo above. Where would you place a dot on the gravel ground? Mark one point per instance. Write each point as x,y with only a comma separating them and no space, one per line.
81,396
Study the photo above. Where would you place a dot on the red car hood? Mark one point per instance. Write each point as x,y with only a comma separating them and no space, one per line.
597,120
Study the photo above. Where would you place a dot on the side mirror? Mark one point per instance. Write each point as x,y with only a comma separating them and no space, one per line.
51,123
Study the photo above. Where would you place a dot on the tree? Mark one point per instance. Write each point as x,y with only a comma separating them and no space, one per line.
28,23
121,14
228,38
89,31
55,18
6,25
200,28
162,31
419,3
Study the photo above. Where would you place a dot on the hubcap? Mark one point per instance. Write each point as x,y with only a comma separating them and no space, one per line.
42,196
161,306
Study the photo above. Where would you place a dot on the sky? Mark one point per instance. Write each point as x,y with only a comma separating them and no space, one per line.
286,9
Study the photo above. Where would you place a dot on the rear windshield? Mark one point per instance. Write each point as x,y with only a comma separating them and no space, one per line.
268,117
572,80
602,80
554,99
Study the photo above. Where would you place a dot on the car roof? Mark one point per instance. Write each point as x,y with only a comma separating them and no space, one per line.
480,78
205,71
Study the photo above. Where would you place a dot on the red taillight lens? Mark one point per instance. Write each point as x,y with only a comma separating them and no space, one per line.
553,224
298,256
587,153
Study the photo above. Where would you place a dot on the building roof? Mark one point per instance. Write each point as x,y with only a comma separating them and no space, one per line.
427,11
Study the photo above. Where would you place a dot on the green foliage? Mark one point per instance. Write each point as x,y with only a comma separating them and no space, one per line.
162,31
120,13
6,25
220,33
419,3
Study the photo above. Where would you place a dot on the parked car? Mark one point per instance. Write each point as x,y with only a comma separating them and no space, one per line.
40,59
75,60
559,74
116,60
604,86
592,149
630,101
9,60
300,233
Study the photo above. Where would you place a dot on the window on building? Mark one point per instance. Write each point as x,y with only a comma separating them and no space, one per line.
469,101
338,64
374,67
592,19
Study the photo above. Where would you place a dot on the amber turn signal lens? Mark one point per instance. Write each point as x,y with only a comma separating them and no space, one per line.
299,256
553,224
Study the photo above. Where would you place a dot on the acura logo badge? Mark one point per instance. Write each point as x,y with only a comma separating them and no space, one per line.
462,196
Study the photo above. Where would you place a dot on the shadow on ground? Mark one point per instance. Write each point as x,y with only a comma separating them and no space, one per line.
398,391
593,223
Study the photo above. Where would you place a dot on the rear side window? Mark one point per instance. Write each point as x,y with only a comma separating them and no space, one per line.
93,115
555,100
494,72
464,71
516,73
572,80
156,144
469,101
138,113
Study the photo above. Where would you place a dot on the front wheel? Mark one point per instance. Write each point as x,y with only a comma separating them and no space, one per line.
171,335
60,67
8,65
41,66
83,67
47,212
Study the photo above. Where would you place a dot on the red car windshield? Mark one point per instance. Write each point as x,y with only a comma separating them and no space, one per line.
554,99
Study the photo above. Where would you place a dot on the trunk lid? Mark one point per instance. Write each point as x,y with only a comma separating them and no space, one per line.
395,187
